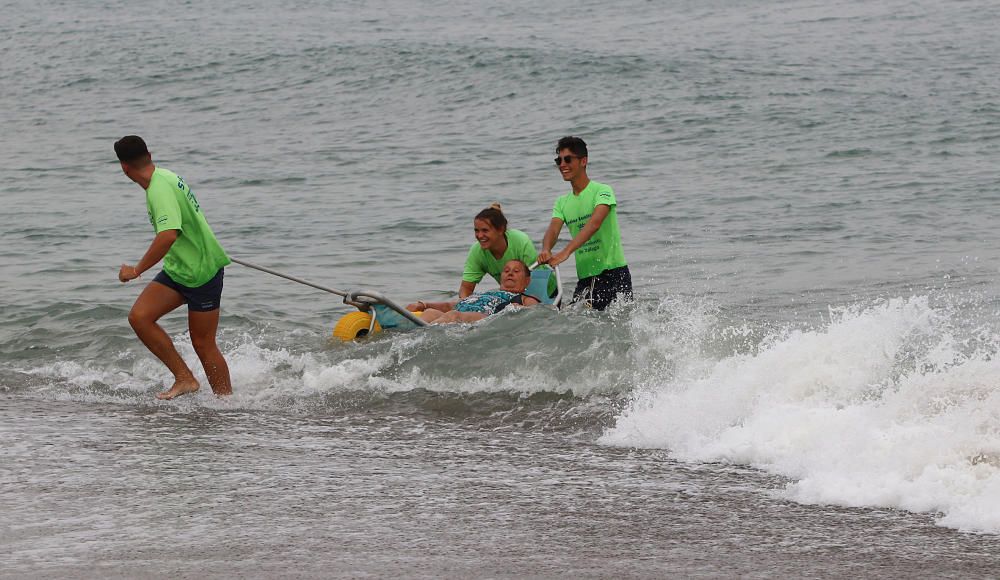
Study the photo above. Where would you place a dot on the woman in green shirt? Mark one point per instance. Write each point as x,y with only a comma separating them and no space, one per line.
495,245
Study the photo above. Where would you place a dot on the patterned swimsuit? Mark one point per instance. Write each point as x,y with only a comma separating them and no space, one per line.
489,302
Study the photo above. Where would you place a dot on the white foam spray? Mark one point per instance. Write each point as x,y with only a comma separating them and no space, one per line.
883,406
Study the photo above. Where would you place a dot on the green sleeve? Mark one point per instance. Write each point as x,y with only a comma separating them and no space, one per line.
474,267
557,209
526,250
164,211
605,196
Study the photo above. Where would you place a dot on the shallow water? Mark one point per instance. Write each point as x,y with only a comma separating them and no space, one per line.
263,494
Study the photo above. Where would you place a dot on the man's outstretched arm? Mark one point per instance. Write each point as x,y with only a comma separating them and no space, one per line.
157,249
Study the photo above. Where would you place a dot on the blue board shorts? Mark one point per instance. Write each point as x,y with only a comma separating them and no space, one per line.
204,298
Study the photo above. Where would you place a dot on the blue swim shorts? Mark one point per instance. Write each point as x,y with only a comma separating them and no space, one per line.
204,298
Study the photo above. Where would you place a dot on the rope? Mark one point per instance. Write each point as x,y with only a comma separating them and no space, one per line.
340,293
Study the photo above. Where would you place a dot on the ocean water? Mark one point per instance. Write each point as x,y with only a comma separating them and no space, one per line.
805,385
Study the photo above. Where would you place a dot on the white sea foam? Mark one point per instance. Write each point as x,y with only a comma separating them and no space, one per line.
883,406
272,377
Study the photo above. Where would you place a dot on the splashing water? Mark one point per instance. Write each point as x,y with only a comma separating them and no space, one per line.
884,406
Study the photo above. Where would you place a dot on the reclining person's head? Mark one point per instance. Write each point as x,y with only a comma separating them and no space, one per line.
515,276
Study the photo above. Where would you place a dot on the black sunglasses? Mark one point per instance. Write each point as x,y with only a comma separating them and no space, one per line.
566,159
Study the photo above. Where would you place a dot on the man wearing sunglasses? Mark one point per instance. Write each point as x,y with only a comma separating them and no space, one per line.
589,213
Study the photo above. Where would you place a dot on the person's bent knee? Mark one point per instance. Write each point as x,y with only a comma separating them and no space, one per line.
431,315
139,318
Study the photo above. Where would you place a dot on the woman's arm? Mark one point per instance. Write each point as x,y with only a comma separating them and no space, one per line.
439,306
466,289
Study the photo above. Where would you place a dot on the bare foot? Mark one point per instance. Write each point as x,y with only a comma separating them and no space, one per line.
181,387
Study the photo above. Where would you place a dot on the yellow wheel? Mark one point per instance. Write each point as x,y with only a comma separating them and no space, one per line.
354,325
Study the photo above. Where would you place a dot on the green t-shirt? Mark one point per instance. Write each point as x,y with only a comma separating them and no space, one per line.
603,251
196,256
481,262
